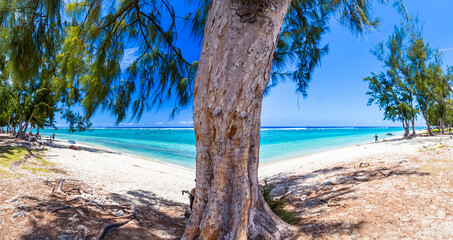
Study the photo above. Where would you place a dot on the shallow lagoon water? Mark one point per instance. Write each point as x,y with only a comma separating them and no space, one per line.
177,145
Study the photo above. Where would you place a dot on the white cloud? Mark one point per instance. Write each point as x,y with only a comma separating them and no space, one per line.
130,55
446,49
159,123
185,122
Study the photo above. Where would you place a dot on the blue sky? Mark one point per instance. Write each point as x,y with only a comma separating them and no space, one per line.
337,93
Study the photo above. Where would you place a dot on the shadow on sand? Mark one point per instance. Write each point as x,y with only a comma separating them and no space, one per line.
313,199
61,216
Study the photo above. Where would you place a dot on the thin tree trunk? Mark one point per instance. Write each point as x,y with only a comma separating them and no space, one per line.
428,125
442,123
407,133
37,131
31,129
19,131
9,124
26,124
406,127
235,64
413,127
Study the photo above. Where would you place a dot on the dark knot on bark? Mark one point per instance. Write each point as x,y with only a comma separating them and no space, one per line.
250,10
242,114
217,111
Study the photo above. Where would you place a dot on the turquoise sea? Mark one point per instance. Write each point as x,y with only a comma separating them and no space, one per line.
177,145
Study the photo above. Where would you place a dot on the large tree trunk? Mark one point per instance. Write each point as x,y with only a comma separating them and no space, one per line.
235,64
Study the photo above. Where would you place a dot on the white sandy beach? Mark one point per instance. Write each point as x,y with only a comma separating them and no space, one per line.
385,190
118,173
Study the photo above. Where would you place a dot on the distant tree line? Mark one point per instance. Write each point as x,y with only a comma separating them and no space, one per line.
413,82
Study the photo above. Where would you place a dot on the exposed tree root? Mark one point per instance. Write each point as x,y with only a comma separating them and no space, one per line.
59,209
114,226
110,227
104,209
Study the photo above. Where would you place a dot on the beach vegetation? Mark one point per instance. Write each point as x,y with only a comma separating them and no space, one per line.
9,155
34,163
31,35
7,174
433,148
37,169
413,81
278,204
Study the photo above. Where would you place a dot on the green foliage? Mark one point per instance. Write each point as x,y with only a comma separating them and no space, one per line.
95,41
299,49
278,204
414,81
8,155
37,169
31,37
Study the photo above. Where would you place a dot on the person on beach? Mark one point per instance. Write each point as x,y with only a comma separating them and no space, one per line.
376,138
53,136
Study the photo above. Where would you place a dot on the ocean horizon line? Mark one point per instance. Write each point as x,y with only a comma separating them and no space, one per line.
263,127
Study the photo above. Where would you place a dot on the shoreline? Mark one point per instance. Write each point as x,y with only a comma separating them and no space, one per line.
262,164
376,182
107,149
119,172
342,154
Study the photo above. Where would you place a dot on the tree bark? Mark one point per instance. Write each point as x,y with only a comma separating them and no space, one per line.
428,125
26,124
20,126
442,123
413,127
31,129
9,124
406,127
235,63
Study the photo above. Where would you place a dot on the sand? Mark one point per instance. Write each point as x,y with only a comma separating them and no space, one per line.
120,173
400,189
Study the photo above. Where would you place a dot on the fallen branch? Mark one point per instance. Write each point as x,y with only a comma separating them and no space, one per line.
60,186
72,189
324,185
364,164
113,226
60,208
110,227
13,199
386,175
20,214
